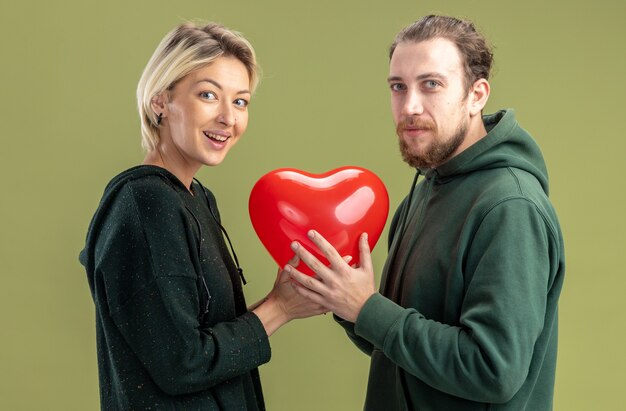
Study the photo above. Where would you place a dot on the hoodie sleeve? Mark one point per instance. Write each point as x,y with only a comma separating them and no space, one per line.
361,343
144,258
486,357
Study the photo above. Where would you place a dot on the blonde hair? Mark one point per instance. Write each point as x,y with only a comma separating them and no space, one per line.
187,48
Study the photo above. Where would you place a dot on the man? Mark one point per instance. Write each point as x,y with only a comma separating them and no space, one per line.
466,315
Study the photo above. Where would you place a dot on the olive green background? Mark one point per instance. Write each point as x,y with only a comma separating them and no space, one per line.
68,73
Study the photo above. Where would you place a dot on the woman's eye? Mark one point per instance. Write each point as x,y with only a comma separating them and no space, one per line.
208,95
240,102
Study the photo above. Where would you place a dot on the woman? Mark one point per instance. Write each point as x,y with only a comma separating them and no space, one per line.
173,330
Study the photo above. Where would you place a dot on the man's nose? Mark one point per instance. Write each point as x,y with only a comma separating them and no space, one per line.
413,104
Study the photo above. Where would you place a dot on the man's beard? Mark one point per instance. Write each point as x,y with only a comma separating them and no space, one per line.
438,152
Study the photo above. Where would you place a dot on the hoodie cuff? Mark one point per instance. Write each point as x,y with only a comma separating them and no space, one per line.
377,316
260,336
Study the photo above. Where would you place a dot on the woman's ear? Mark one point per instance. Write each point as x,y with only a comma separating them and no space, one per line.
479,94
159,105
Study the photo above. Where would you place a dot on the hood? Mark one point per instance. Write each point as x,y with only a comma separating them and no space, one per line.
505,145
86,256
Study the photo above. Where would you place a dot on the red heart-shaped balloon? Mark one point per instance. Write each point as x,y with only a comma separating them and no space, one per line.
340,204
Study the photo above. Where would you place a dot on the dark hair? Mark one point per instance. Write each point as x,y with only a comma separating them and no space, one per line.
476,53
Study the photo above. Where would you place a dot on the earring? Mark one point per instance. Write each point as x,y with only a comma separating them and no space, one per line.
159,118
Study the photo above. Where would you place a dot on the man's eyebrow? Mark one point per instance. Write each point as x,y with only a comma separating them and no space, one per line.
219,86
432,74
393,78
423,76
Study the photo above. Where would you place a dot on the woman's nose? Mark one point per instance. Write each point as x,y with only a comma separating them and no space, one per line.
226,115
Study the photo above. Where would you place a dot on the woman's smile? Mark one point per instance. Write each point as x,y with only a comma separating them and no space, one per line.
219,136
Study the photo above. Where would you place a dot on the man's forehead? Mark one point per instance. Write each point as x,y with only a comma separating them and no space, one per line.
415,58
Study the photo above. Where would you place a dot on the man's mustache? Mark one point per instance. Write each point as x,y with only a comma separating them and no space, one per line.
414,122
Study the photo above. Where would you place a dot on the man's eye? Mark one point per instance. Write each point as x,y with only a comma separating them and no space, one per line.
431,84
241,102
209,95
397,87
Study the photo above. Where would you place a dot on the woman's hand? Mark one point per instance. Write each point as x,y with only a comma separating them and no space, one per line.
284,303
290,301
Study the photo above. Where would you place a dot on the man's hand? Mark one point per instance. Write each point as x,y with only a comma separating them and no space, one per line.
340,288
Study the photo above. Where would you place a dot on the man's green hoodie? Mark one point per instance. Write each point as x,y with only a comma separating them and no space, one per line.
467,314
